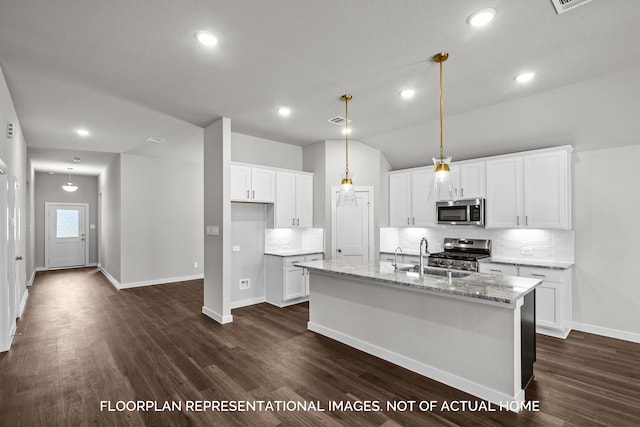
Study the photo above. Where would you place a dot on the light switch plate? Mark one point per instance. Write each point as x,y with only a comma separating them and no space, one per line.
235,249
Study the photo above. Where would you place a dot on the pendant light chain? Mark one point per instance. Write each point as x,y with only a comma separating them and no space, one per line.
441,116
346,99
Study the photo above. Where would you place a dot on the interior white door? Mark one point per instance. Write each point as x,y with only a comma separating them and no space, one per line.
17,238
66,235
352,230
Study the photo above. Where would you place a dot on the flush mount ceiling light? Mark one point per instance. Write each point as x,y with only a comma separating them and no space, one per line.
525,77
76,159
284,111
481,17
206,38
347,196
407,93
82,132
442,177
70,187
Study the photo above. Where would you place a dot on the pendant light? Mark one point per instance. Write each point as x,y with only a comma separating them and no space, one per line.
70,186
347,196
442,178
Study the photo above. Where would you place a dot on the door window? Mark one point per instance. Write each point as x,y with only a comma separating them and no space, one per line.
67,223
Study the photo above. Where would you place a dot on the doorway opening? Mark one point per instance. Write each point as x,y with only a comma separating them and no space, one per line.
66,234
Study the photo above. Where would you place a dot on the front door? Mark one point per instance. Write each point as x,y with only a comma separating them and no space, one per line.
352,229
66,234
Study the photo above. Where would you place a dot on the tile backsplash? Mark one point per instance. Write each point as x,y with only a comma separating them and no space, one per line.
284,239
540,245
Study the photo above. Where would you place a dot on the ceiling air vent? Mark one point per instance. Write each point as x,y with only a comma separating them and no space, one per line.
563,6
9,130
338,120
155,139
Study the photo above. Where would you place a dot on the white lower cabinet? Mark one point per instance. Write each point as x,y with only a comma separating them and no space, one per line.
553,296
286,283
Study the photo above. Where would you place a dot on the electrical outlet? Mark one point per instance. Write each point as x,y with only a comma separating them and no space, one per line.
244,284
235,249
195,264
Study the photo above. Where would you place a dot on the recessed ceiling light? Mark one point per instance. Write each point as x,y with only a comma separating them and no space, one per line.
525,77
206,38
346,131
407,93
481,17
82,132
284,111
76,159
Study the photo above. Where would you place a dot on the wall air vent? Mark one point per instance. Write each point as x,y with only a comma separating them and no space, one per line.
9,130
338,120
563,6
155,139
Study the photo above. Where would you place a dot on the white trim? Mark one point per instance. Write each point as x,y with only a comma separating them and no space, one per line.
247,302
611,333
23,303
12,333
33,276
217,317
119,286
289,302
556,333
47,226
164,281
110,278
419,367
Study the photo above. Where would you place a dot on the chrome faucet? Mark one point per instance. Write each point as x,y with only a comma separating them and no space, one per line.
395,258
422,255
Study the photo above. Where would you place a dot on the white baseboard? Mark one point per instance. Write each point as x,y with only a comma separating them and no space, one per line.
163,281
33,277
12,333
217,317
419,367
247,302
110,278
288,303
611,333
23,303
563,334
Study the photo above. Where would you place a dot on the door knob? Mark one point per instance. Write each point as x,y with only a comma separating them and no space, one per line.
339,251
18,258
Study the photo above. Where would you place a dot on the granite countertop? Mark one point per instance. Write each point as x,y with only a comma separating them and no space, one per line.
293,252
528,263
483,288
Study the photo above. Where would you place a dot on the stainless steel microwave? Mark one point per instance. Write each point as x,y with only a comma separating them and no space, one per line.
461,212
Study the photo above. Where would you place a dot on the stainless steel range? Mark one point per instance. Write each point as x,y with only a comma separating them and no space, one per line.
461,254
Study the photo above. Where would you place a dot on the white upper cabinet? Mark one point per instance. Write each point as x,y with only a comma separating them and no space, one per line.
410,199
294,200
252,184
530,191
468,181
504,193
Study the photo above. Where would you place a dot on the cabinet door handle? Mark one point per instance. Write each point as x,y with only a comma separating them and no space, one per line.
247,194
408,223
526,220
495,271
461,192
414,220
298,221
518,220
254,194
293,221
538,275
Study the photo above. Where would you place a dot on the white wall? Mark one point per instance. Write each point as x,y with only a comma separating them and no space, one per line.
13,153
260,151
606,205
110,215
48,188
162,219
248,223
367,167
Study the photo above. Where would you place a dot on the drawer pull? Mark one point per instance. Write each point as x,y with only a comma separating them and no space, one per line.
538,275
496,271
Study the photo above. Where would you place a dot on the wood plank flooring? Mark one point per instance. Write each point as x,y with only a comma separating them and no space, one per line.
81,342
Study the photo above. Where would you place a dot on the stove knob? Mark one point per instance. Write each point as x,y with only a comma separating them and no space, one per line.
450,262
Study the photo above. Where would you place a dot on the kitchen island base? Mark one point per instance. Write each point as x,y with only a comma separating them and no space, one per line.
471,346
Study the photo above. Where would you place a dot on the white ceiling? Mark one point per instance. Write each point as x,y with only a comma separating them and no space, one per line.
129,70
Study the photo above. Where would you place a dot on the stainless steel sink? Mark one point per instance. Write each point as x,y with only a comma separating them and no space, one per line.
434,271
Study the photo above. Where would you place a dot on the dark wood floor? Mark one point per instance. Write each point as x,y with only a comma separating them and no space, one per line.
81,342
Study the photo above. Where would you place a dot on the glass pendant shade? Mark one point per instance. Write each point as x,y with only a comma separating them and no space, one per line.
70,187
347,196
442,182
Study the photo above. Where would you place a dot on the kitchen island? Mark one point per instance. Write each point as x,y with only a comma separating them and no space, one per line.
475,333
